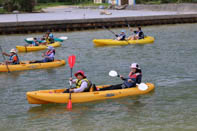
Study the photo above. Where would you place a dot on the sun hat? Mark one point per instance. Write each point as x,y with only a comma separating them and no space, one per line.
134,65
80,72
12,51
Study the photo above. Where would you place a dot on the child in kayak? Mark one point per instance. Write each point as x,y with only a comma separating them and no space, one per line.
135,77
35,42
13,60
82,83
121,36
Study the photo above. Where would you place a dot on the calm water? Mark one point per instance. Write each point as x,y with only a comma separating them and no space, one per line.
170,63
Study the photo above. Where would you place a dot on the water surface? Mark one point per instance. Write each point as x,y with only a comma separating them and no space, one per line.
169,63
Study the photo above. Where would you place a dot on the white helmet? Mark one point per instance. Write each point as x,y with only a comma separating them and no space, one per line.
12,51
134,65
50,47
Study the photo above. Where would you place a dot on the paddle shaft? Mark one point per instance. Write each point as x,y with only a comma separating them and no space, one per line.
71,70
4,60
25,48
110,30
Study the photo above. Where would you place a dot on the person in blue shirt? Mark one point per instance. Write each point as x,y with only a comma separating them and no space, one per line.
49,56
121,36
13,57
35,42
139,34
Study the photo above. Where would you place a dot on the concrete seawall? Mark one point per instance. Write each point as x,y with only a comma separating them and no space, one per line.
184,7
93,23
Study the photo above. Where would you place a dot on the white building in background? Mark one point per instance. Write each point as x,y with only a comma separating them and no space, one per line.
116,2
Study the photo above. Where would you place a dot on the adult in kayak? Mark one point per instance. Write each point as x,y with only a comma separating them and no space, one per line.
14,59
135,77
49,37
139,34
121,36
49,56
82,83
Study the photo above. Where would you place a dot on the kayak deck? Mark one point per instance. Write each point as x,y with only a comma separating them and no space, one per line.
57,95
25,65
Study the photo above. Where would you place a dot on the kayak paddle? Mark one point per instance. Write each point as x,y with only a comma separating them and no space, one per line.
71,61
141,86
4,60
110,31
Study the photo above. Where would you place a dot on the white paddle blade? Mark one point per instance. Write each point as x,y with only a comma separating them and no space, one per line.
70,82
142,87
113,73
29,39
63,37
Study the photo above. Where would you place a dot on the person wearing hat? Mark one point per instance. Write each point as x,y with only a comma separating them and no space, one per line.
82,83
121,36
135,77
49,56
139,34
13,57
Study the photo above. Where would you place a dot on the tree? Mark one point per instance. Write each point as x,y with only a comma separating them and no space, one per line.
21,5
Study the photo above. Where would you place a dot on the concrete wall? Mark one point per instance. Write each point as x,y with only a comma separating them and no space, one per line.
85,24
185,7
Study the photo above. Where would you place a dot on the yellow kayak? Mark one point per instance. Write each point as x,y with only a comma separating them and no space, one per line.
111,42
56,95
36,48
25,65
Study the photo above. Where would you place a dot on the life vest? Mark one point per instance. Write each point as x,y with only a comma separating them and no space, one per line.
48,53
35,43
141,35
79,82
12,59
48,40
137,76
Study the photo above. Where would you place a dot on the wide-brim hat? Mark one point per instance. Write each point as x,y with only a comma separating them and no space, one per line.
80,72
12,51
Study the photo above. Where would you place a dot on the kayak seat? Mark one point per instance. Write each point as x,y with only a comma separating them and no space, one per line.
92,88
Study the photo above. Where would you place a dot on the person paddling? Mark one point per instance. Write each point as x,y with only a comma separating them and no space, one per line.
135,77
49,56
82,83
139,34
14,59
121,36
35,42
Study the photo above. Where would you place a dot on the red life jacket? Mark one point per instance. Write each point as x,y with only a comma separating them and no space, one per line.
134,75
49,52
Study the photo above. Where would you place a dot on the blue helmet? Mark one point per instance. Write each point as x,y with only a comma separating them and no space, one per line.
123,31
